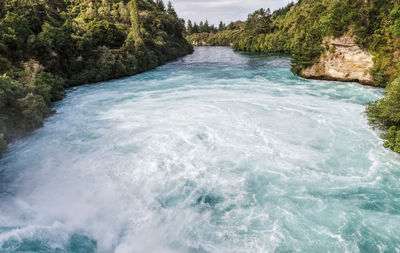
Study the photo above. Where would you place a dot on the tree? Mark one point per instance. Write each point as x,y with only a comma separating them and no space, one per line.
221,26
395,19
134,13
160,5
259,22
212,29
3,145
171,10
206,27
14,31
189,27
2,9
282,11
123,13
196,28
105,8
201,27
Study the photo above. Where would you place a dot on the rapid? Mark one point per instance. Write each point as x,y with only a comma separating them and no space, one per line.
219,151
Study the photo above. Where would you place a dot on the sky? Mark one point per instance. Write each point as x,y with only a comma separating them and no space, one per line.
225,10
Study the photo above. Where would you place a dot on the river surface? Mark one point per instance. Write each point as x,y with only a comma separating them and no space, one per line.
218,151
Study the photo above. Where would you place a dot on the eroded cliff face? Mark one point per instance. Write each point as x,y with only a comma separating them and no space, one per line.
344,61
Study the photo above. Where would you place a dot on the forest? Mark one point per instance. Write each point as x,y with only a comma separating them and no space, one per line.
47,46
298,29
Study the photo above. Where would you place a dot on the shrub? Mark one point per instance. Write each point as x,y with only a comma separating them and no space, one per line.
392,137
3,145
385,113
32,110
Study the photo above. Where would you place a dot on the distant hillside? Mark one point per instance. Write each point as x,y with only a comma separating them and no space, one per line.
48,45
347,40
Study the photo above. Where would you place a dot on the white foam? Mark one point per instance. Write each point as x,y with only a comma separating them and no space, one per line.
173,163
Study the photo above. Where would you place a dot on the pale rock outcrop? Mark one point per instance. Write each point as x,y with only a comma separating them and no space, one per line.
345,61
200,43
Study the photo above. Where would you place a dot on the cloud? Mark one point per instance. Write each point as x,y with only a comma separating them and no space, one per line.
225,10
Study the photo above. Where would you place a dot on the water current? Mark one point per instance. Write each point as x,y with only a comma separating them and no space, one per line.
219,151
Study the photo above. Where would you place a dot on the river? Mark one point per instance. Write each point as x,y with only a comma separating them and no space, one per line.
219,151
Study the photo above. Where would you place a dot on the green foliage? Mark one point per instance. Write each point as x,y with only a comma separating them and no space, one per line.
46,46
259,22
49,87
221,26
9,90
32,109
395,20
3,145
392,139
282,11
135,25
223,38
382,69
105,33
385,113
203,27
341,15
306,50
160,5
14,32
171,10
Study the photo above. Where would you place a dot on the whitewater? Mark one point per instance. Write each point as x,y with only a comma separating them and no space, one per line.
219,151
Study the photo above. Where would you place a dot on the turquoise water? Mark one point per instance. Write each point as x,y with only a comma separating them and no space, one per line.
216,152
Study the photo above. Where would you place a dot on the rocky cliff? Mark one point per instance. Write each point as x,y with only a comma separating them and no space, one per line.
344,61
200,43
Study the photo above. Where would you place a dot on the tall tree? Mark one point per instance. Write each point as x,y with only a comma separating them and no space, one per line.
195,28
206,27
160,5
189,27
259,21
123,13
221,26
171,10
201,27
134,13
2,9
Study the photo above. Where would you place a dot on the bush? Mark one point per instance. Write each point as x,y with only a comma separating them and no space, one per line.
14,31
104,33
392,138
385,113
3,145
395,19
32,110
49,87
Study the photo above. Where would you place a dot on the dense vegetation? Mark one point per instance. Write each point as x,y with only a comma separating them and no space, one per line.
49,45
299,29
204,34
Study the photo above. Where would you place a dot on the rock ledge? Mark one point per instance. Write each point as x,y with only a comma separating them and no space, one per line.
344,61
